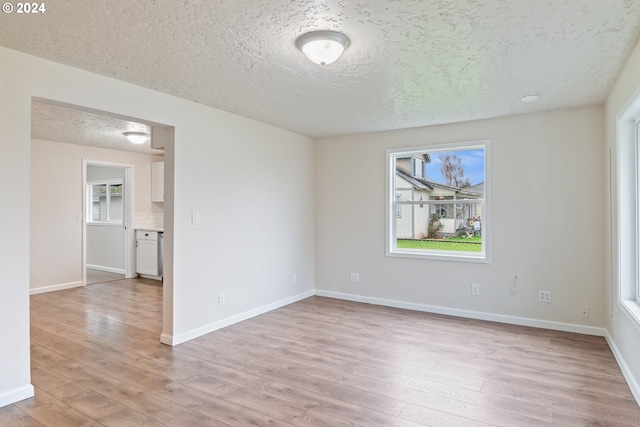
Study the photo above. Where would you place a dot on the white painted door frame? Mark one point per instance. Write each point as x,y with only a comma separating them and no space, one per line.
129,236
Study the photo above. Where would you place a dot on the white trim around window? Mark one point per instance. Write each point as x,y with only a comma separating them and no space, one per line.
429,205
628,209
105,202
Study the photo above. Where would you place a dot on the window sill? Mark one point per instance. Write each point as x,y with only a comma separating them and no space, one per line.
633,309
441,256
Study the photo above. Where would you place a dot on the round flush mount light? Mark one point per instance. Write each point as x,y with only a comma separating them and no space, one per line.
530,98
322,47
137,137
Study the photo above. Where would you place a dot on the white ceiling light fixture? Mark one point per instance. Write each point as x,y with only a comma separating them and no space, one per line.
530,98
137,137
322,47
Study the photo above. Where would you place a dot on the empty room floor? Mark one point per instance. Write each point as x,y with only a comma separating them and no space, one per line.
97,276
97,361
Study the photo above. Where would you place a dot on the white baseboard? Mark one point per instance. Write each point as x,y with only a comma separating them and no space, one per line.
16,395
626,372
174,340
514,320
52,288
107,269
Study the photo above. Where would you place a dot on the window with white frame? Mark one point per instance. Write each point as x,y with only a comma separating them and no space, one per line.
442,210
637,197
628,209
105,201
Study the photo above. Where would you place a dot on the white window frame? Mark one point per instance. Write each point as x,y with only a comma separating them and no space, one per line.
637,200
90,209
628,209
392,206
398,197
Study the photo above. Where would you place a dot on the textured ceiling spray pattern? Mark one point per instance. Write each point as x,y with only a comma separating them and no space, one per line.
410,63
57,123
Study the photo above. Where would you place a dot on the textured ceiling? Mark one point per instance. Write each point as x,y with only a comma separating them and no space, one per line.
410,63
57,123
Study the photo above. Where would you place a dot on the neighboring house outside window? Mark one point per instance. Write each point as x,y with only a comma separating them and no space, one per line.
428,215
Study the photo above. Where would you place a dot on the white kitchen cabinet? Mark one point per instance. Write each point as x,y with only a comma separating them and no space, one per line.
157,182
148,253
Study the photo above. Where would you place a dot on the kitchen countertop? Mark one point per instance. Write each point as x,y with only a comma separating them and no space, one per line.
159,230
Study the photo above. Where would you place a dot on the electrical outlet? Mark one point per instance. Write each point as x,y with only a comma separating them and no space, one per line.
355,278
475,289
294,278
221,298
584,312
544,296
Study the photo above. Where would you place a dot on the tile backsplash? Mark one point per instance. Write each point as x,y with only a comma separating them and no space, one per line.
148,219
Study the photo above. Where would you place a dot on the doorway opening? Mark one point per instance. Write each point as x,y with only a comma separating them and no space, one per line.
108,228
66,140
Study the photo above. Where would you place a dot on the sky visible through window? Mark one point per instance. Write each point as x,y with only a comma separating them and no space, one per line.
472,162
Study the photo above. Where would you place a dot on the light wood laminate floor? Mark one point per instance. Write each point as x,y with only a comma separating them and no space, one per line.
97,361
97,276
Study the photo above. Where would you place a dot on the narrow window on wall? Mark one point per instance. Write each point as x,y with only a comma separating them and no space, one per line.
437,202
627,211
637,197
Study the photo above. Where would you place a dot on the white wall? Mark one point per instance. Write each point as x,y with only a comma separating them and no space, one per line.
624,332
95,172
14,229
106,248
56,201
256,220
547,222
252,237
